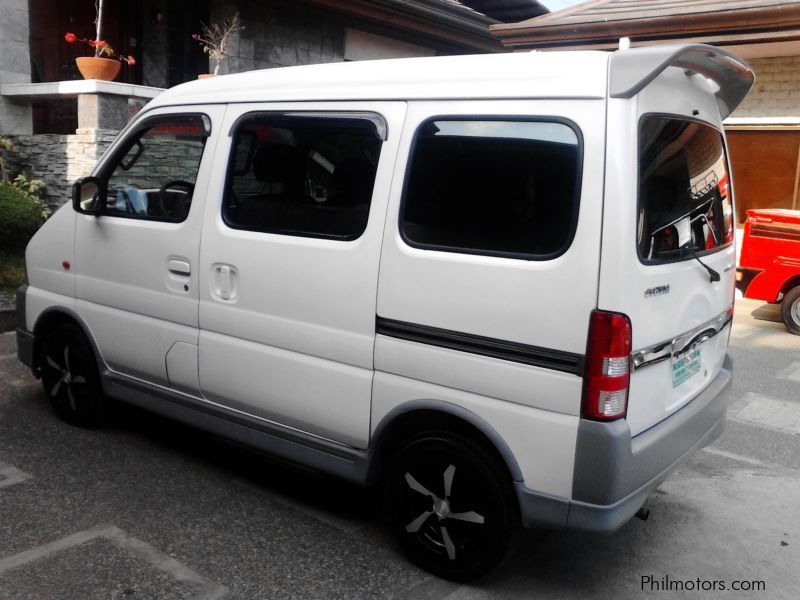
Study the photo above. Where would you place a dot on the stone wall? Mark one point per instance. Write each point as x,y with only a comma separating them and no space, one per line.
776,92
15,65
164,158
278,38
58,160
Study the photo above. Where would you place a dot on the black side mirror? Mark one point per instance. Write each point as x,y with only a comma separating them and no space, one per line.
88,196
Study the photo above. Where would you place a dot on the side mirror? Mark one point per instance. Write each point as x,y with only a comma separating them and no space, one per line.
88,196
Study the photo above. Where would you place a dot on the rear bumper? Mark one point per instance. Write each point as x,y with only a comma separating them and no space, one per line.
615,473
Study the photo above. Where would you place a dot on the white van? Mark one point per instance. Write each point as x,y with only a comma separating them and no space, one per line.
500,285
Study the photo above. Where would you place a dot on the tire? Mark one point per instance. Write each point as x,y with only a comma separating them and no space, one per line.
70,378
790,310
461,533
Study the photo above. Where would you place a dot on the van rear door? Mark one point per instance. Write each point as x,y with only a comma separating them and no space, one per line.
668,239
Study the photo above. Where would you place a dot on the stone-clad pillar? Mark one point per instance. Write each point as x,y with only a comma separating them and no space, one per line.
15,66
103,111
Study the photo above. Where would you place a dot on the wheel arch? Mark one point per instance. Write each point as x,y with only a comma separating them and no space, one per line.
790,284
418,415
48,320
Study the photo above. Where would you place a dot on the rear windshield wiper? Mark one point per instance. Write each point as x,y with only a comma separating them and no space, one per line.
689,251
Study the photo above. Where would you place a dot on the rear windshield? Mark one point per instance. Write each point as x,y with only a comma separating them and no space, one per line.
684,202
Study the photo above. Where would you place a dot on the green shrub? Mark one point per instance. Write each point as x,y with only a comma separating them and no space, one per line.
12,273
32,187
20,216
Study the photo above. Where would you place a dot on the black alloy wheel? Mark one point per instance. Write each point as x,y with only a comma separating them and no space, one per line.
452,505
70,377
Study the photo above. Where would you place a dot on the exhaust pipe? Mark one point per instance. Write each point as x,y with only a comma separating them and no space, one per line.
642,513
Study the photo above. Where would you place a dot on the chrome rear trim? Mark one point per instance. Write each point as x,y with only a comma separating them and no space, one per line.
681,344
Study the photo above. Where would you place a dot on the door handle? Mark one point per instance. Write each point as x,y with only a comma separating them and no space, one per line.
179,267
225,282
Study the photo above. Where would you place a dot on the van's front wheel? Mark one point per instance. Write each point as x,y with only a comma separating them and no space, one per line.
70,378
452,505
790,310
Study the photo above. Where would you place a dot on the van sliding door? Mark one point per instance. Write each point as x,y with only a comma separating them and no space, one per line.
290,258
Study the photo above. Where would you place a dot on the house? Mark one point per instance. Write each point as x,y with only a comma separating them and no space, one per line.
764,132
62,124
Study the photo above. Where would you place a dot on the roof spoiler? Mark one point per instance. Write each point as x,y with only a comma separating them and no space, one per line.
632,70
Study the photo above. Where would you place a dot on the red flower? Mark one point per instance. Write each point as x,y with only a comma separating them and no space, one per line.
131,60
70,37
98,43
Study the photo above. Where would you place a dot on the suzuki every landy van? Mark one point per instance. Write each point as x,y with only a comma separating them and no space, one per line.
501,286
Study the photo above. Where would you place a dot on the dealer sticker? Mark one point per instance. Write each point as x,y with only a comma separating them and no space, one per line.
685,367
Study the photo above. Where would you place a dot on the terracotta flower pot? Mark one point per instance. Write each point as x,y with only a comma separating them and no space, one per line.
205,75
92,67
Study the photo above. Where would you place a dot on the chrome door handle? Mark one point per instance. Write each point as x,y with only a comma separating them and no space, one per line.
179,267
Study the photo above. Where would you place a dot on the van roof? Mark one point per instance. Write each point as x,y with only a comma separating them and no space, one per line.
518,75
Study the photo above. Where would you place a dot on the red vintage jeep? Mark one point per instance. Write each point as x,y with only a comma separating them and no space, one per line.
769,267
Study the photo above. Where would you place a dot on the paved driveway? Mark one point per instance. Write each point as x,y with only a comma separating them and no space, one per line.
147,508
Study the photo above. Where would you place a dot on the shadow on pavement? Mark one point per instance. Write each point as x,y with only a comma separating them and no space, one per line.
768,312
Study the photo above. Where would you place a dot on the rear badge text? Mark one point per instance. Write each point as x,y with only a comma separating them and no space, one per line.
659,290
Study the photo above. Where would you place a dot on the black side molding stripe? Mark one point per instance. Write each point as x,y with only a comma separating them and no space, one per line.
558,360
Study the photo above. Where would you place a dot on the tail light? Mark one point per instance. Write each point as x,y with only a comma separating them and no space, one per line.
608,366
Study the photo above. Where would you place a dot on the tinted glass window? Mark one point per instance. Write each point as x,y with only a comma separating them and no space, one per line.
493,187
684,201
154,173
302,175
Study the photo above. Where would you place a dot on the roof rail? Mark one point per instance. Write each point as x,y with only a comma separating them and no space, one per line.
632,70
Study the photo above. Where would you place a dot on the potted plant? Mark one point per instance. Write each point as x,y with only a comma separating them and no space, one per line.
215,40
105,63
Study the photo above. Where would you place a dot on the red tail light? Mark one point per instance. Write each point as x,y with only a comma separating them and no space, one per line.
608,367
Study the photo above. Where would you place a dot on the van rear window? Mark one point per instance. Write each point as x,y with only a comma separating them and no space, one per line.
685,203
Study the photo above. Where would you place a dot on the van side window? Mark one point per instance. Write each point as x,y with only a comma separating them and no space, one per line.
684,200
153,175
309,176
497,187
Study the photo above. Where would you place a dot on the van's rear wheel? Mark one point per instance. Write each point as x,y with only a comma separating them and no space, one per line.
452,505
790,310
70,378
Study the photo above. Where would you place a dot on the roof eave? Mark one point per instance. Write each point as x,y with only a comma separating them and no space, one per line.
761,21
439,20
